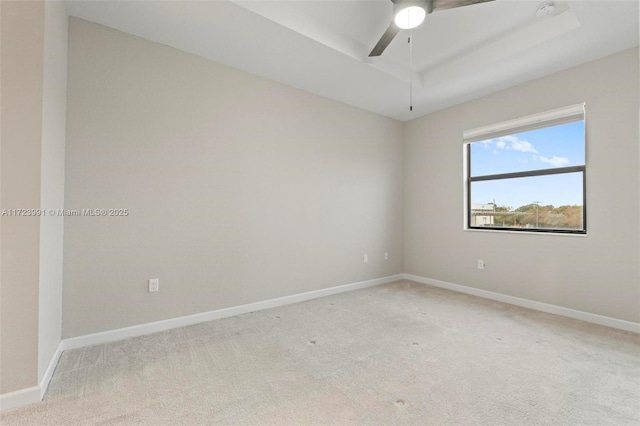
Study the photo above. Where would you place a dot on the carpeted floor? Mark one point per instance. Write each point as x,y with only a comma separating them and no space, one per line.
401,353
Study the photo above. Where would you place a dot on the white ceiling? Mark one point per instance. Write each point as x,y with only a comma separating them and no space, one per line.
322,46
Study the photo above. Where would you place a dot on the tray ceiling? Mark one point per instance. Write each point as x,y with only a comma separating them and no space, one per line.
323,46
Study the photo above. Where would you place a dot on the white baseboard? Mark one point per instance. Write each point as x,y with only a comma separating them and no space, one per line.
33,394
531,304
19,398
154,327
46,378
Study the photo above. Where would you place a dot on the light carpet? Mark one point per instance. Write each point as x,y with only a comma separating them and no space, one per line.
401,353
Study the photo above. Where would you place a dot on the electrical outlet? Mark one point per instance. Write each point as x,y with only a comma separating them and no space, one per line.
386,256
154,285
366,258
481,264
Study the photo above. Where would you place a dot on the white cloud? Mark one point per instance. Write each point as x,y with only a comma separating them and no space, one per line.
512,142
555,161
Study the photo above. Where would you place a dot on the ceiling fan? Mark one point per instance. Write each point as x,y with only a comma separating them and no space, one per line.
409,14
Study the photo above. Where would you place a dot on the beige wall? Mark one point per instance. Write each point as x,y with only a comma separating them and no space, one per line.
52,181
239,189
21,80
34,45
599,273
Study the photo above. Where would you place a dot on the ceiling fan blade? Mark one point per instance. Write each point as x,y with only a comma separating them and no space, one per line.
451,4
384,41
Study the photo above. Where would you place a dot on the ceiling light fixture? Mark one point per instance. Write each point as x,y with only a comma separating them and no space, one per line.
410,14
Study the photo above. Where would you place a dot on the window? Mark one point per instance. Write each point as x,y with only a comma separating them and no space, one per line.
528,174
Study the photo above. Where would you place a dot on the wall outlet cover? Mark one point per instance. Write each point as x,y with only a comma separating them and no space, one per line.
154,285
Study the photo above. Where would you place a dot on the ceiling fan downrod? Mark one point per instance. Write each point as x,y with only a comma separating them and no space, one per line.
410,41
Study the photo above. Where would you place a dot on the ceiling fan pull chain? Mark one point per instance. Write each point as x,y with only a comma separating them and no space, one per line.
410,41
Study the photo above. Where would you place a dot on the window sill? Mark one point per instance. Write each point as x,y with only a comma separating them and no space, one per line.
506,231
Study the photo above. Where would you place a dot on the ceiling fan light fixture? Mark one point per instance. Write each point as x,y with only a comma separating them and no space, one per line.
409,16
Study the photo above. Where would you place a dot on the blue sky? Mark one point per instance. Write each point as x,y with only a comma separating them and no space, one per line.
551,147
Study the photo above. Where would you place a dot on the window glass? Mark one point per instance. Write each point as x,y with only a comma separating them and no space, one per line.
545,202
532,180
557,146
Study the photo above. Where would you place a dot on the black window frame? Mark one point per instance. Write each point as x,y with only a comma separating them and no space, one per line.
529,173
